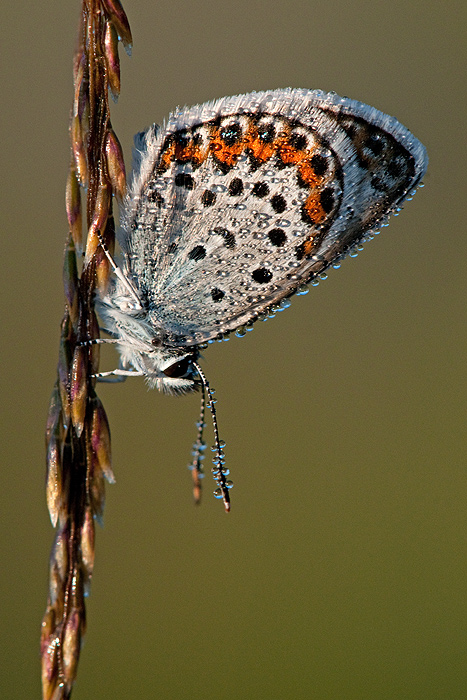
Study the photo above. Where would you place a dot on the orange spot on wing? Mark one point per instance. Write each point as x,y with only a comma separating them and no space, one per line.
184,152
308,174
314,210
228,155
199,155
288,154
167,157
260,150
308,246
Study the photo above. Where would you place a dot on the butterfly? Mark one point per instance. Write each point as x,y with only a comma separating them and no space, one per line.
235,205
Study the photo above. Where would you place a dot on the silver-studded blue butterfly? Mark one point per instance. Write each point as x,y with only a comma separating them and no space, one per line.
234,206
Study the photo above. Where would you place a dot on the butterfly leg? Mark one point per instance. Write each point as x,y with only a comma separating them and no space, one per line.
117,375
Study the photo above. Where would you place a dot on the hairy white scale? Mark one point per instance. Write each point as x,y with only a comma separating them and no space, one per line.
181,312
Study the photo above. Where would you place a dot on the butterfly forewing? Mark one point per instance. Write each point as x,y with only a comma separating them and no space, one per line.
239,202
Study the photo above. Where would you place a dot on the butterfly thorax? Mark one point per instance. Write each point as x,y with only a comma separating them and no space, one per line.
143,346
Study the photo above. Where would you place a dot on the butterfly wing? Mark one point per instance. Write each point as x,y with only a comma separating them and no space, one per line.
235,204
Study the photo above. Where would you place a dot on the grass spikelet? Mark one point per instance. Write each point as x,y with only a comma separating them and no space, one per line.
78,434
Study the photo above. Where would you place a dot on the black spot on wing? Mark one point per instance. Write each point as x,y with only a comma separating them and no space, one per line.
260,189
217,294
235,187
231,134
184,180
277,236
208,198
229,238
319,164
262,275
278,203
197,253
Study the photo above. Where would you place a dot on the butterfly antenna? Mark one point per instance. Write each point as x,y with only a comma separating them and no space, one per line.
119,273
199,447
219,472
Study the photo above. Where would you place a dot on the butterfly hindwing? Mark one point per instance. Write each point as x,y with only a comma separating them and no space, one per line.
237,203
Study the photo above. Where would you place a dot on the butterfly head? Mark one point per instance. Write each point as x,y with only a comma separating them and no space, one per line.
144,348
171,370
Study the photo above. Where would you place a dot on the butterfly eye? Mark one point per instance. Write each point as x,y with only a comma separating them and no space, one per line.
179,369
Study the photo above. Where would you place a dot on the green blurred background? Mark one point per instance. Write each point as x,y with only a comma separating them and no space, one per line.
341,571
